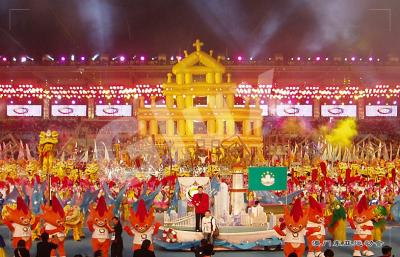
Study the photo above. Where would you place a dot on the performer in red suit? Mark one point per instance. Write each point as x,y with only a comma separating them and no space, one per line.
201,205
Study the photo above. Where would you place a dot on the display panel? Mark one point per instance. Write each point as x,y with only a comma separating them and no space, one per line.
294,110
114,110
68,110
24,110
339,110
381,111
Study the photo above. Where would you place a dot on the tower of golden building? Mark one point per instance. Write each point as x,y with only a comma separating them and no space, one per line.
200,108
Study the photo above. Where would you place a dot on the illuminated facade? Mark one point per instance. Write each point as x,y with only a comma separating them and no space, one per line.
200,108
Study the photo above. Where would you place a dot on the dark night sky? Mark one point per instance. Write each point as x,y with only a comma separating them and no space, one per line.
248,27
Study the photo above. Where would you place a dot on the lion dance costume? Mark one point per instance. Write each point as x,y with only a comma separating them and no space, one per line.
143,225
20,221
74,221
379,222
98,223
295,229
54,220
337,221
362,223
315,220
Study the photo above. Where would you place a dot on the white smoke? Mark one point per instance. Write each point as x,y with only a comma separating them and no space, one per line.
336,22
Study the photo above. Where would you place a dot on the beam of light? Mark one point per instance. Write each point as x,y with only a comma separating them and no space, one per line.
335,22
97,15
225,18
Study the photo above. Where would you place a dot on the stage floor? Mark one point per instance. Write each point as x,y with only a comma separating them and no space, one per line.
391,237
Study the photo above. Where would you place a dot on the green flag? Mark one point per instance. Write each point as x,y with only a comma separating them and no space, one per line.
267,178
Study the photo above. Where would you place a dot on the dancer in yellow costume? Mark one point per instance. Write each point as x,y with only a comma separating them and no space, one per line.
74,221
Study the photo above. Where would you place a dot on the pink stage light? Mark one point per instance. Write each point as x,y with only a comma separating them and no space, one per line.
122,58
29,102
370,59
240,58
142,58
100,102
118,101
379,102
63,59
307,102
318,58
83,58
334,102
395,102
353,58
298,58
73,102
4,59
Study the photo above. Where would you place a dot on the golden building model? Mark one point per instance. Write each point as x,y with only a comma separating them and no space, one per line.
200,109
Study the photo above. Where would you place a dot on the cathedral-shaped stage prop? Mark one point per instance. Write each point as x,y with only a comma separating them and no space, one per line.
200,110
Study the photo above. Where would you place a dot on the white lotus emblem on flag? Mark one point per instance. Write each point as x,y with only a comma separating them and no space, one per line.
267,179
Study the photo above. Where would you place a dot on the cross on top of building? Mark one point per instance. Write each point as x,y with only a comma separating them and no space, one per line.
198,44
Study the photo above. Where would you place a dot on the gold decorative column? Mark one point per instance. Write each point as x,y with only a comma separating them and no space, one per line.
181,127
142,126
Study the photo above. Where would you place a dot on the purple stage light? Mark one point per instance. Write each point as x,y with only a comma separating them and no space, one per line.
142,58
63,59
240,58
122,58
83,58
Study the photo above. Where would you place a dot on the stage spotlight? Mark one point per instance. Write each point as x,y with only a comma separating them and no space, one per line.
23,59
73,102
95,57
239,58
370,59
298,58
353,59
318,58
47,57
14,59
118,101
4,59
326,59
83,58
29,102
142,58
122,58
62,58
395,102
73,58
379,102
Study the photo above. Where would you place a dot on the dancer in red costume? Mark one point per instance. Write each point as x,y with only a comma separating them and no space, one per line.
316,220
363,225
295,222
98,223
21,222
143,225
54,219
